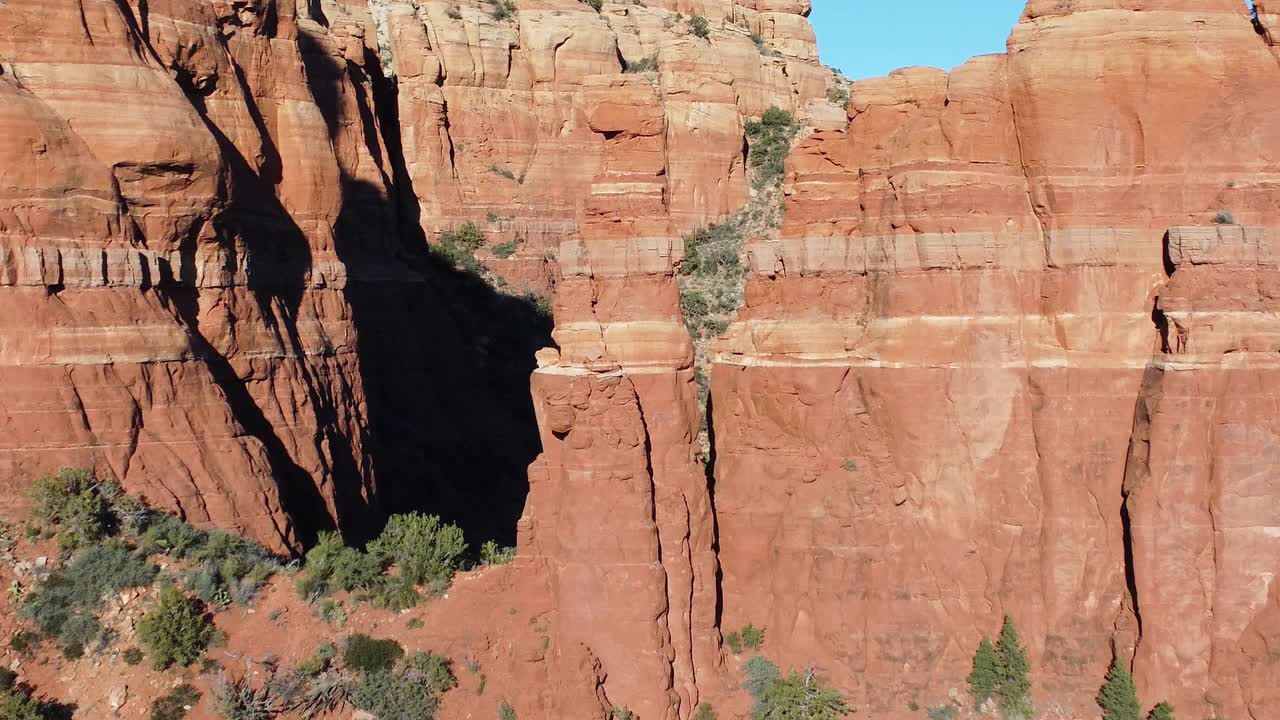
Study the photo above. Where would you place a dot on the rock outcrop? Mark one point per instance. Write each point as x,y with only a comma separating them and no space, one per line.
925,415
173,299
214,220
1012,352
502,118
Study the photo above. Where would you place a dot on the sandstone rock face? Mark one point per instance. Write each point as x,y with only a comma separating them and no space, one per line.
596,172
173,301
1001,359
201,265
215,285
948,397
504,119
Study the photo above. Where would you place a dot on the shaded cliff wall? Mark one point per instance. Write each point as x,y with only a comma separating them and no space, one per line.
174,302
210,292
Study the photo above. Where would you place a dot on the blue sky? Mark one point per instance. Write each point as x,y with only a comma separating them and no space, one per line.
869,38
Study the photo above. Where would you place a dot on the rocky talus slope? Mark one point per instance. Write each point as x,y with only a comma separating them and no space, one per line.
1000,358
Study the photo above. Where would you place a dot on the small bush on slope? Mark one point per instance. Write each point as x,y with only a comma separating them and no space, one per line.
83,510
173,704
409,692
699,26
239,699
331,566
421,547
66,606
175,630
366,654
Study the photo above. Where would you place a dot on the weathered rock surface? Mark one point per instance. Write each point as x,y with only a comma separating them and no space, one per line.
503,117
173,303
1001,359
215,288
204,282
925,416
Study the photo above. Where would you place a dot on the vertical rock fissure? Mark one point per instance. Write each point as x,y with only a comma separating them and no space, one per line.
1137,472
665,617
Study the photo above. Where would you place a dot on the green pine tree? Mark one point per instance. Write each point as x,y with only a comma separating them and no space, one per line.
986,673
1163,711
1014,686
1119,697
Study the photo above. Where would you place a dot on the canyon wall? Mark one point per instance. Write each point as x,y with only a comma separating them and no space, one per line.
1000,358
205,280
173,297
1002,361
217,287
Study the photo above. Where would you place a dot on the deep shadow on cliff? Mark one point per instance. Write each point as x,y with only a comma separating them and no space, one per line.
445,359
277,259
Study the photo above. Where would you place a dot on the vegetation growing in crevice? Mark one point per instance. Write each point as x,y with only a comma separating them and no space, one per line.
749,637
838,95
645,64
713,274
503,10
458,248
770,140
507,248
700,27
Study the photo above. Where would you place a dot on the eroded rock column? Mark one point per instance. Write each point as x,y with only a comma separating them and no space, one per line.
619,503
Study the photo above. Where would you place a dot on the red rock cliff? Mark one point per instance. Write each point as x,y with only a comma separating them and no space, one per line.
989,369
999,360
173,303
